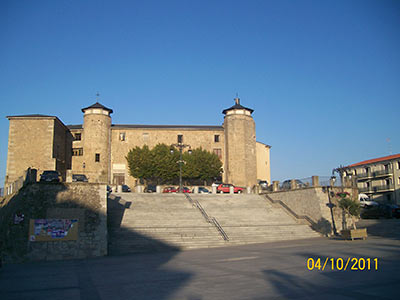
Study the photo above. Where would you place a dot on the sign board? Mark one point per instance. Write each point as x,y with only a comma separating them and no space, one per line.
52,230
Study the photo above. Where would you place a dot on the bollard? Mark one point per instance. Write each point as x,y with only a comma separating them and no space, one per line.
214,189
158,189
119,188
196,190
231,189
139,189
248,190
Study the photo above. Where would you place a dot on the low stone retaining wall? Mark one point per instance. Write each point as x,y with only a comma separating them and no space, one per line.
84,203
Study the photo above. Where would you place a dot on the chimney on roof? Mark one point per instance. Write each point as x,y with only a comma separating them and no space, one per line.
237,100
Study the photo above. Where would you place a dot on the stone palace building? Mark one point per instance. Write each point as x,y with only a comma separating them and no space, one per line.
97,148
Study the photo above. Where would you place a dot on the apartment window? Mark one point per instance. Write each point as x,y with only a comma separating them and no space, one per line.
218,152
122,136
398,180
398,165
216,138
367,185
387,182
97,157
387,167
355,171
180,138
77,137
77,151
366,170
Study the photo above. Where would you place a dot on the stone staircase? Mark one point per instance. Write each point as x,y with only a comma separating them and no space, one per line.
252,219
146,222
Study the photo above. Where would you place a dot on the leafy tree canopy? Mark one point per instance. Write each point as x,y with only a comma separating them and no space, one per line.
161,165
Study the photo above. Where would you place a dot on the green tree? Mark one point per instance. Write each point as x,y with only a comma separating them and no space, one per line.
165,163
161,166
140,163
349,206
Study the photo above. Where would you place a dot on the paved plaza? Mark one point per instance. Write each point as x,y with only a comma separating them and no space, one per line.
259,271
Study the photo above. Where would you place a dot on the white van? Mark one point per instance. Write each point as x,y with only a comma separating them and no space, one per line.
365,201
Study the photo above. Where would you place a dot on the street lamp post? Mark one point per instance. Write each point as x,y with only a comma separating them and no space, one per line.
331,205
181,146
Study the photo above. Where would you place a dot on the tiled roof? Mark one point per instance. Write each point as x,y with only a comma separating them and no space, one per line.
374,160
97,105
194,127
31,116
75,126
237,106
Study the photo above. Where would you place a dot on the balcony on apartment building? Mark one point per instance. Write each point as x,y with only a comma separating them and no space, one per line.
375,174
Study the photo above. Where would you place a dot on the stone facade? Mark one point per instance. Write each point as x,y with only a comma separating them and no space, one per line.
82,201
98,148
38,142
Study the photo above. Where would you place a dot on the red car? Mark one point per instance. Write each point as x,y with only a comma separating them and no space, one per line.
170,189
225,188
186,190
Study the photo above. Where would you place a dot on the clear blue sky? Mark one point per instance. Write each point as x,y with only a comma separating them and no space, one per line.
322,76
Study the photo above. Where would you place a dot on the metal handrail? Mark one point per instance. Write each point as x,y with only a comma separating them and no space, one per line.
219,227
209,219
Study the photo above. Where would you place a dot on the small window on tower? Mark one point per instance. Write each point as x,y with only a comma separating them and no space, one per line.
122,136
78,137
216,138
180,138
97,157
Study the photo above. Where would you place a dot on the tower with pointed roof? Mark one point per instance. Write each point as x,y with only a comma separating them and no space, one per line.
240,146
96,143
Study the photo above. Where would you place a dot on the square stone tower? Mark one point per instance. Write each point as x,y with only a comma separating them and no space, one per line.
240,146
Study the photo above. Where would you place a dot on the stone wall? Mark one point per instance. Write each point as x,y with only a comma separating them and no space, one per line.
30,145
133,137
83,201
312,202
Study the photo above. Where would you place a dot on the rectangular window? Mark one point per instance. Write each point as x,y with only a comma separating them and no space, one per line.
122,136
97,157
145,137
398,180
77,137
216,138
218,152
398,165
77,151
180,138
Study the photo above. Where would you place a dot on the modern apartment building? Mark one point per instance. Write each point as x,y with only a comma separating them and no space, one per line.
379,178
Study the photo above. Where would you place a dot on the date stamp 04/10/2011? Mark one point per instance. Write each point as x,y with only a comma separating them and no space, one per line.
342,264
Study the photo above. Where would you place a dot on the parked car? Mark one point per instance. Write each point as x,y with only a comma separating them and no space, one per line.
287,184
185,189
365,201
150,188
225,188
170,189
202,190
263,184
50,176
126,189
380,211
79,177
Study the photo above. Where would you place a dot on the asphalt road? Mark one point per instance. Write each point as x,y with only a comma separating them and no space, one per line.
262,271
